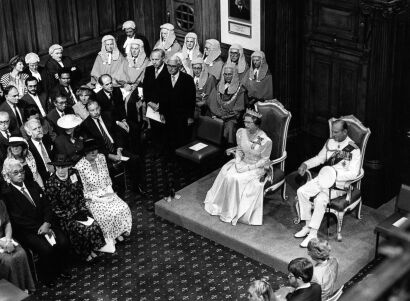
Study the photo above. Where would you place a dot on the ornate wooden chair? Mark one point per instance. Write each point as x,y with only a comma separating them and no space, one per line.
275,123
352,199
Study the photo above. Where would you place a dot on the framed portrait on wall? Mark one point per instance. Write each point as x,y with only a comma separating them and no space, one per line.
240,10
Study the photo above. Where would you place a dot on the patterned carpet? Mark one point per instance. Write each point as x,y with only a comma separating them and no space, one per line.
161,261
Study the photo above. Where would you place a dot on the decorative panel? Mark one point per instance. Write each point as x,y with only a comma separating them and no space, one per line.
105,16
65,17
85,20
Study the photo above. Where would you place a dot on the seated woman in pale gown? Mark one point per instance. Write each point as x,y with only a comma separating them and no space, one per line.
237,193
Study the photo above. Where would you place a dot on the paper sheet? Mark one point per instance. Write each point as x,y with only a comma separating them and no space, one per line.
151,114
88,222
51,239
198,146
123,158
400,222
140,92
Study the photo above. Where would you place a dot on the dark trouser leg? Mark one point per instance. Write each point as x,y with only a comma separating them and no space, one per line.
134,167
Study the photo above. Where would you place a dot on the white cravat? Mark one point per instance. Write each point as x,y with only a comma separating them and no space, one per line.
36,75
196,80
38,103
72,94
109,59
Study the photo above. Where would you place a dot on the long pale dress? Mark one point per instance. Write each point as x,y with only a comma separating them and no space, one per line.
238,196
112,214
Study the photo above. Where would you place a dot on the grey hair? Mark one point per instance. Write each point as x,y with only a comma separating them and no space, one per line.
4,113
27,125
7,167
319,249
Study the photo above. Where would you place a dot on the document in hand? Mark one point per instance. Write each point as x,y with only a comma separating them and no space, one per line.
151,114
51,239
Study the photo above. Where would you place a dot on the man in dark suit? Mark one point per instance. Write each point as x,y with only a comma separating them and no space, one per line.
177,104
64,88
300,275
13,107
129,32
135,120
40,147
35,98
112,136
111,100
4,134
154,75
60,109
32,223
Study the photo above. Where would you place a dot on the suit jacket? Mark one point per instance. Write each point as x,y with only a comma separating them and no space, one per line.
52,68
114,106
13,127
24,216
53,116
3,147
27,100
312,293
41,167
60,90
90,130
123,37
41,85
151,85
178,101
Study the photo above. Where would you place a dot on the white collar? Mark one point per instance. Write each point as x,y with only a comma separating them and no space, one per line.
305,285
19,187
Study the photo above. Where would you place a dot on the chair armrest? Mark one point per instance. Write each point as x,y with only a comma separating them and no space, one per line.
278,160
231,151
309,175
359,177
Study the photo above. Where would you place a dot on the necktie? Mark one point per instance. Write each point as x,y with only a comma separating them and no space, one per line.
255,74
46,158
135,60
197,82
173,80
156,72
18,116
25,193
107,140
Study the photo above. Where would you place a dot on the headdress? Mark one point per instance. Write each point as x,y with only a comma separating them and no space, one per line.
128,24
195,50
61,160
15,59
214,50
234,85
31,58
54,48
103,53
253,113
16,140
263,69
141,56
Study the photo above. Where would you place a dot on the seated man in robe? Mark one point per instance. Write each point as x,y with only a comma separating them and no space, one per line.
227,102
258,80
168,41
135,63
190,49
109,61
344,156
212,58
204,84
237,58
129,33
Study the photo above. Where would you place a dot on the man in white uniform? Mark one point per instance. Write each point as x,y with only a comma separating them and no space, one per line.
344,156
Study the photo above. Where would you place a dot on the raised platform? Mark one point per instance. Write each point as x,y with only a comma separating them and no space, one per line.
273,242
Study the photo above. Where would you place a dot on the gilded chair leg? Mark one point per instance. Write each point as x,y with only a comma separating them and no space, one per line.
296,220
359,210
340,216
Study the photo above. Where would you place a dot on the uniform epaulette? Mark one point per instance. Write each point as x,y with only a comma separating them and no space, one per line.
353,144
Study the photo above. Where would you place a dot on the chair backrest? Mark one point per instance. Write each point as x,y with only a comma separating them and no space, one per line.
336,295
356,131
403,199
275,123
210,130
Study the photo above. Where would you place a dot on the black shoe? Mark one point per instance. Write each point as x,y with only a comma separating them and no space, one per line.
49,283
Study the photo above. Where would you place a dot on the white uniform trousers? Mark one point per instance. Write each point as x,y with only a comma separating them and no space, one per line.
312,189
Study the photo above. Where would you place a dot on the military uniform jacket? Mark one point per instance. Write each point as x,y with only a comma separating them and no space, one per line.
348,168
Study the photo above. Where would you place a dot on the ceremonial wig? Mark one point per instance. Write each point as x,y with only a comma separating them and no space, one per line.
241,66
204,72
31,58
263,69
170,37
234,85
195,49
103,53
128,24
301,268
262,289
214,50
141,55
319,249
54,48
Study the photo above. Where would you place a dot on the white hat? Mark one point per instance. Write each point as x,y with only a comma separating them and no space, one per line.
69,121
326,177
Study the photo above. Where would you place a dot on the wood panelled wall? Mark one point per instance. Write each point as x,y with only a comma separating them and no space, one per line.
78,25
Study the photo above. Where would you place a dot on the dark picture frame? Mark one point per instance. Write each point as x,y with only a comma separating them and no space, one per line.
240,10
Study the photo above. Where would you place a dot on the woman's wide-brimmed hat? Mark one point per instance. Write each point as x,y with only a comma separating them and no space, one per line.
17,141
61,160
69,121
91,145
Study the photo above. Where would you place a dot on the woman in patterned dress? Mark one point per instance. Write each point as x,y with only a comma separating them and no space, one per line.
112,213
16,77
237,193
64,191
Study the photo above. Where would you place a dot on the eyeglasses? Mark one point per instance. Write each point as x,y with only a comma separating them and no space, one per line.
228,74
16,172
62,103
290,276
4,122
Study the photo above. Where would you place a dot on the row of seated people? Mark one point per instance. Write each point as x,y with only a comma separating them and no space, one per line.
76,210
310,279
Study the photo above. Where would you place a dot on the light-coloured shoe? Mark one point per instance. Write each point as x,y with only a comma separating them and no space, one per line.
305,242
302,233
109,246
